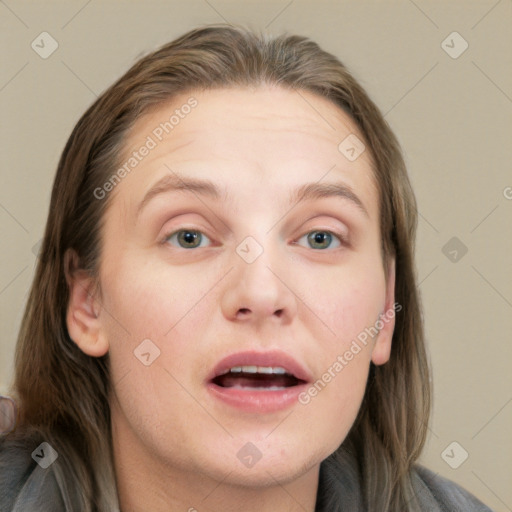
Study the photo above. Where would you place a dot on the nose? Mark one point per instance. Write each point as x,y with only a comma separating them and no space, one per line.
259,290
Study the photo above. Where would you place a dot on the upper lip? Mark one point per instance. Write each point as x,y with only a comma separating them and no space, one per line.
268,359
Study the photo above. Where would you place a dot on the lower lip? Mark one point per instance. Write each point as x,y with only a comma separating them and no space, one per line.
257,401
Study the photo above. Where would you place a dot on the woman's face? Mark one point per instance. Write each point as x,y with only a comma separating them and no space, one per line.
252,277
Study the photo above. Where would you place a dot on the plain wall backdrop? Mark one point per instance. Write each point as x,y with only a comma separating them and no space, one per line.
441,72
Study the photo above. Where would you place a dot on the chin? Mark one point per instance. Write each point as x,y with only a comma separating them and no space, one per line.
266,475
269,470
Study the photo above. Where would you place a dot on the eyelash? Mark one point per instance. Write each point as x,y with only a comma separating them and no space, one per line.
342,240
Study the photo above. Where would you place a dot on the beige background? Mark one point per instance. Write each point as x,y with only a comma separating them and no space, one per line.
452,115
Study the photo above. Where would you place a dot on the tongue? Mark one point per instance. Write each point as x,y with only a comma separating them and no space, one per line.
254,380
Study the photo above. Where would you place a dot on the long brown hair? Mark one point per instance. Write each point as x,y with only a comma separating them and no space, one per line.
62,393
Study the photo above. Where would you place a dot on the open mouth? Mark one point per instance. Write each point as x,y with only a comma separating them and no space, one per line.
258,382
257,378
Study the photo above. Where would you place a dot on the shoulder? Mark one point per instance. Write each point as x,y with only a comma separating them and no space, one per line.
340,488
27,484
431,488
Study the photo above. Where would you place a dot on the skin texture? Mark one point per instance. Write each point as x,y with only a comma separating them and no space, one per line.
175,447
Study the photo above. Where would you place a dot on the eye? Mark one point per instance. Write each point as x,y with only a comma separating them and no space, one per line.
187,238
321,239
193,239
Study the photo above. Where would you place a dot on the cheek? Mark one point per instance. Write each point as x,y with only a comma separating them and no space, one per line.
349,304
346,302
154,317
343,398
151,325
334,398
148,300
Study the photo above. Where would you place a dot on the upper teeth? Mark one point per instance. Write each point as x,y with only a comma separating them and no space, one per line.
257,369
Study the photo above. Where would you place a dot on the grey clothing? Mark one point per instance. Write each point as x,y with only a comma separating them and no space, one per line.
339,490
25,486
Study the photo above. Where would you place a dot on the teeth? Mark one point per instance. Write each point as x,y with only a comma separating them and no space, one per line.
276,370
261,369
265,369
270,388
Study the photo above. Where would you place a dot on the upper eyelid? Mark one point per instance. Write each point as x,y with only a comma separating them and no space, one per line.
342,216
205,232
348,226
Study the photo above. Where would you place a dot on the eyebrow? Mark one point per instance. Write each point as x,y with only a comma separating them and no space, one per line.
308,191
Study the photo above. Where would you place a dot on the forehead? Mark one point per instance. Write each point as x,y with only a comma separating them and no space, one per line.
270,110
247,137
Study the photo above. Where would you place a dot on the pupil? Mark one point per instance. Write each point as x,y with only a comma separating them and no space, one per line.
189,237
320,237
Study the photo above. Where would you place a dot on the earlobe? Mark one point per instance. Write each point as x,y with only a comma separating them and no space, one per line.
83,316
386,323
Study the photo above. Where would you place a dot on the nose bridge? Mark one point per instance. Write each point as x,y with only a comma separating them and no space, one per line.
256,259
257,287
259,247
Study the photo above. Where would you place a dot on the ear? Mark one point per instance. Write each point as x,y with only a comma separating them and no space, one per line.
382,347
83,312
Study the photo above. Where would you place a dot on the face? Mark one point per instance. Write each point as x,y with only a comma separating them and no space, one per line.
268,286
